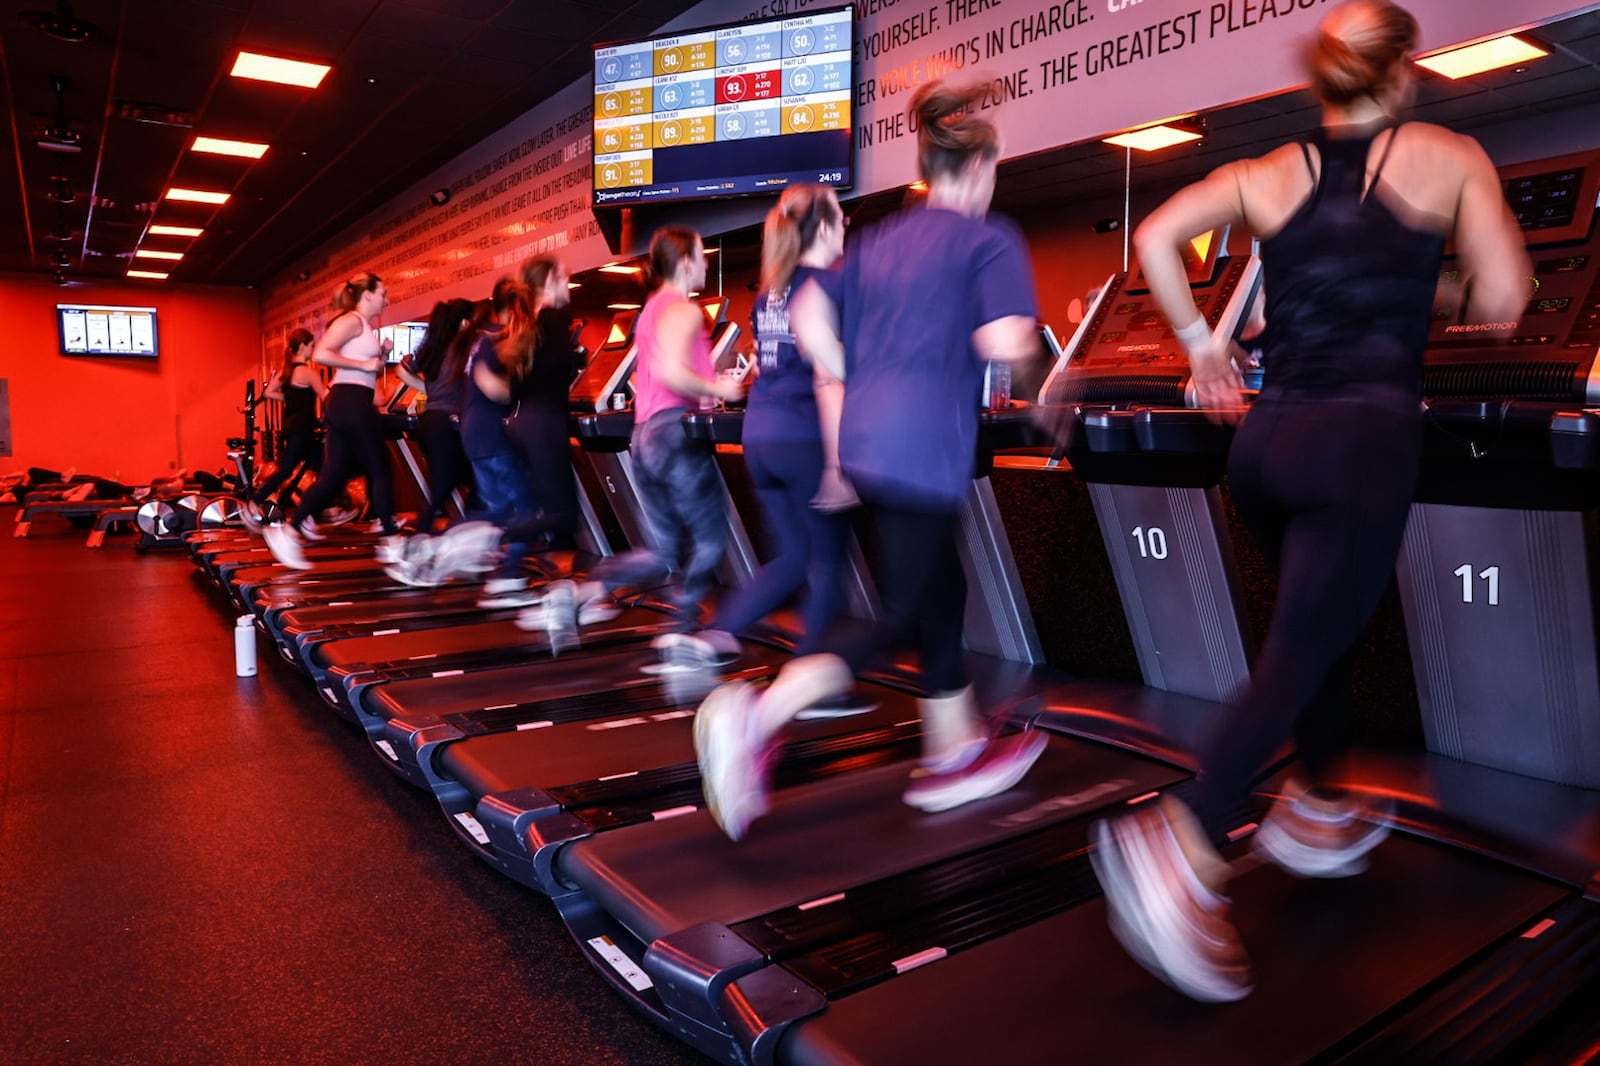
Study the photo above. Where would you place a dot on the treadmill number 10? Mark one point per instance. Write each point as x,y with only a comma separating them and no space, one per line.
1490,576
1152,542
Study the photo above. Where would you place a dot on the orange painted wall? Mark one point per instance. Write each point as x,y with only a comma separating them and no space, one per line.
135,417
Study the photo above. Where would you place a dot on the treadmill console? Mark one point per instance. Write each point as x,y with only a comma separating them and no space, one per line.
1125,351
607,371
1551,353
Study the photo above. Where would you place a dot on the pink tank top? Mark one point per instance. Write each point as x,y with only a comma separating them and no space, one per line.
649,395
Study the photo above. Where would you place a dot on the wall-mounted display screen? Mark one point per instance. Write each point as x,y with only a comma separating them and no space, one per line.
407,337
725,111
92,329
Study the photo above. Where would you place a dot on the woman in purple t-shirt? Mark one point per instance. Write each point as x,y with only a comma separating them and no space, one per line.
928,297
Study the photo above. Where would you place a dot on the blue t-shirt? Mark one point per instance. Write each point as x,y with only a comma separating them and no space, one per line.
782,405
483,431
915,287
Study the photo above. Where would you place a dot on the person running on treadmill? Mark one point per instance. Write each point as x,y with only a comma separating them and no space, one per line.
538,359
355,437
299,387
927,298
502,480
676,478
790,434
1322,470
437,369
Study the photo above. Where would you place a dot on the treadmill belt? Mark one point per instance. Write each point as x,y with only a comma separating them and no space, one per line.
833,836
1331,959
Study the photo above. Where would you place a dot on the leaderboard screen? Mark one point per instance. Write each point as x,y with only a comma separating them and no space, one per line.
92,329
725,111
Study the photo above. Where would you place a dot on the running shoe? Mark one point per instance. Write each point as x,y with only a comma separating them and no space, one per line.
997,766
250,516
309,530
500,593
1309,841
284,543
695,650
560,608
846,706
1160,912
733,758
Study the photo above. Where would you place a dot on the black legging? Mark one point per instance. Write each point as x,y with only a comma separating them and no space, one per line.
924,594
439,433
299,446
1325,488
356,444
541,439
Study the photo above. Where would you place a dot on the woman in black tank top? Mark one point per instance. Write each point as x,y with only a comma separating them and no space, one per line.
1322,470
298,386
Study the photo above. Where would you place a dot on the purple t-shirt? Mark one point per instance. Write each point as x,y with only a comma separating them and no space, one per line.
782,405
483,432
915,287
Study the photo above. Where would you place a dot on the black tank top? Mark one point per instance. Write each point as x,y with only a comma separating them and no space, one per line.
1349,286
299,408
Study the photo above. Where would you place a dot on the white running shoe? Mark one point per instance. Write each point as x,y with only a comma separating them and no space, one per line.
695,650
1002,762
309,530
505,592
1311,842
285,546
733,758
560,607
1160,912
390,549
250,517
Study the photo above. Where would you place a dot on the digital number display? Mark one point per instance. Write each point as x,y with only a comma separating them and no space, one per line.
731,110
1550,305
1569,265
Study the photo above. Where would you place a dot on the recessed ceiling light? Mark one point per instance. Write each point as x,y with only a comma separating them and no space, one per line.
175,231
153,275
623,307
219,146
1153,138
151,253
618,268
260,67
197,196
1477,58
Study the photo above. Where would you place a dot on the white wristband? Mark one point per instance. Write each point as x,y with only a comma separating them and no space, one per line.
1196,336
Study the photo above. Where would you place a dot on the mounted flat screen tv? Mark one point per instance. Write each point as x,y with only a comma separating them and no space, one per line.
733,110
93,329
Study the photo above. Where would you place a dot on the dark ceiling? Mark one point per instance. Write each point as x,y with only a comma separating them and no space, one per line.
414,83
417,82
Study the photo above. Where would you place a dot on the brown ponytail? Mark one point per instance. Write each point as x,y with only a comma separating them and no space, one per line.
790,230
670,246
296,339
520,342
950,134
1356,49
347,295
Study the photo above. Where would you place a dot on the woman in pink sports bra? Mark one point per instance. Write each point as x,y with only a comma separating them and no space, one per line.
355,436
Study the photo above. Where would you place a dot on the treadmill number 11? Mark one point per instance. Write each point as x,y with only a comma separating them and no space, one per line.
1152,542
1490,576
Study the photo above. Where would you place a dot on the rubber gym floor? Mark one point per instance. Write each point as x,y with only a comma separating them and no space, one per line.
200,868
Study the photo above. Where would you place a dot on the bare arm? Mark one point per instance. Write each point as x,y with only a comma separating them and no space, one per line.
677,331
310,375
489,383
1490,243
342,331
411,379
1211,202
815,323
274,389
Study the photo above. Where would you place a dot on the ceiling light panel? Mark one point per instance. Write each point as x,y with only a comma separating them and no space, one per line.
175,231
221,146
197,196
258,67
153,275
1479,58
1153,138
151,253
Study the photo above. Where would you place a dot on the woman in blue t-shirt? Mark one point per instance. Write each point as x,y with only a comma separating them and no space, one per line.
437,369
783,436
928,297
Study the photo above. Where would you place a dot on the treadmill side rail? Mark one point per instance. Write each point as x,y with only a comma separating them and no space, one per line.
693,967
762,1006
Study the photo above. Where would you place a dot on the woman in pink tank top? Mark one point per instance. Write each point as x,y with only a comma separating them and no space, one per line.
676,478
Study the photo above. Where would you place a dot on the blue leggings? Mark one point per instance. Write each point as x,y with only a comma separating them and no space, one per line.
680,491
1325,487
808,545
